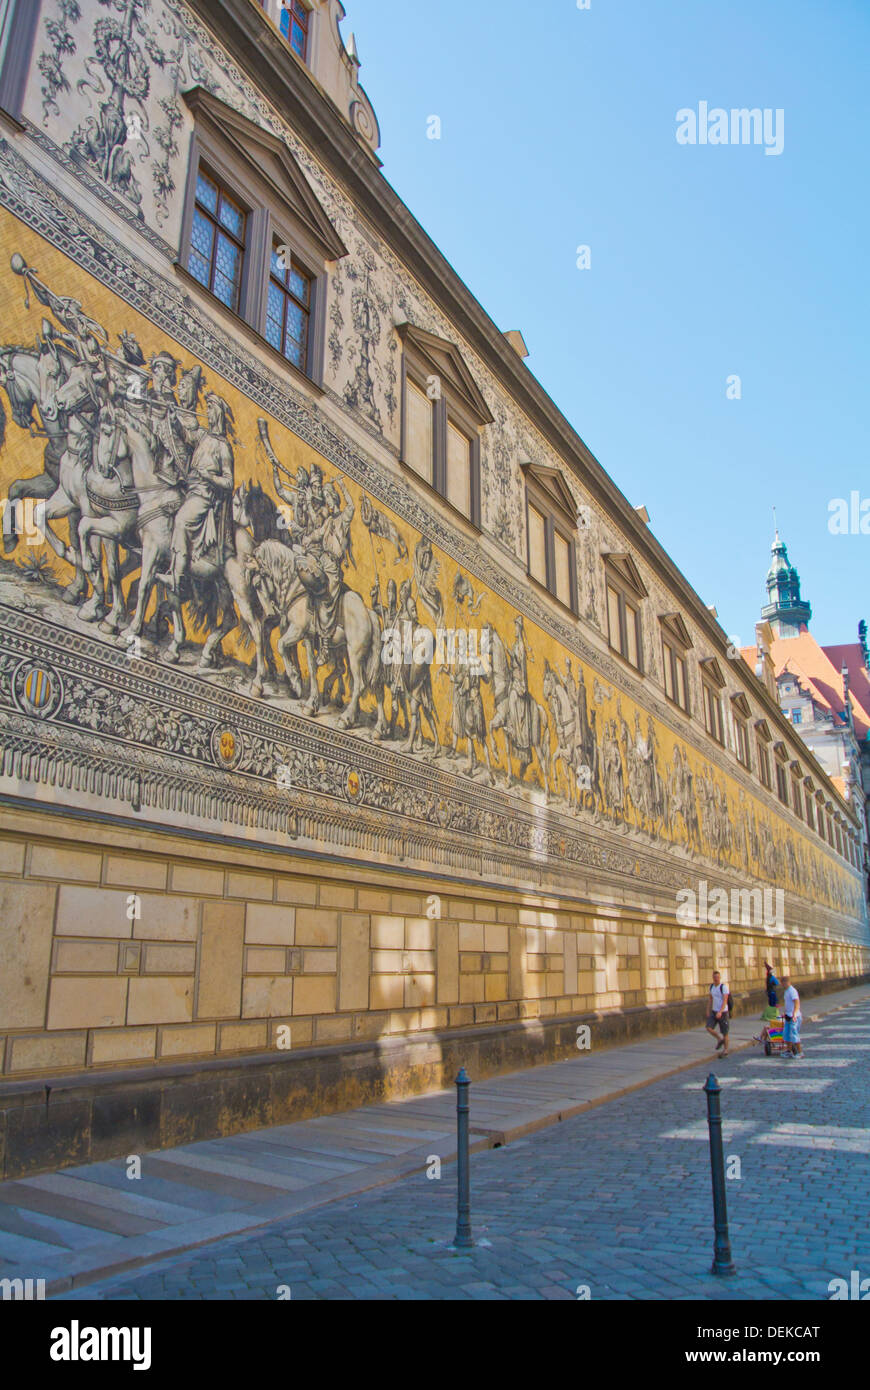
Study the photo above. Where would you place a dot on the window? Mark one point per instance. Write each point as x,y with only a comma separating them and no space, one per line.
459,452
537,545
294,26
443,413
742,737
781,755
551,519
564,570
18,20
288,307
763,763
675,643
796,716
820,816
712,685
217,240
623,623
740,710
797,800
254,234
809,805
713,713
419,431
625,591
676,684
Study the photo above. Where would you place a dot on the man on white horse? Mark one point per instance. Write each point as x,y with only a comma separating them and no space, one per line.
202,522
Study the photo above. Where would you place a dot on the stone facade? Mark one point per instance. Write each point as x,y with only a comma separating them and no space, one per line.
207,857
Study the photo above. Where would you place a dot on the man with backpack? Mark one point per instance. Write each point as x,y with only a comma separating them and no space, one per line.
718,1015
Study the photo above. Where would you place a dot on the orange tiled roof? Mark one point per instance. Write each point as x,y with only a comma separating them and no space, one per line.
818,669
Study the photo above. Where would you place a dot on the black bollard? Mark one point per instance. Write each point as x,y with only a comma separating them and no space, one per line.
723,1264
463,1239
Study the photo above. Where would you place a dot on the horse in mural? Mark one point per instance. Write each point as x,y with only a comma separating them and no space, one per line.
218,590
278,575
682,799
110,488
30,378
576,749
521,743
567,756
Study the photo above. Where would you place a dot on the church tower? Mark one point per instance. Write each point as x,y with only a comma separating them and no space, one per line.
786,612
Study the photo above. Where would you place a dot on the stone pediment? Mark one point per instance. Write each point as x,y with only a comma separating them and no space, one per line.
447,362
273,164
675,627
554,487
625,568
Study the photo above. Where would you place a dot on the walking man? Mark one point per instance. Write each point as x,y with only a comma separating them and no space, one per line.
718,1015
791,1008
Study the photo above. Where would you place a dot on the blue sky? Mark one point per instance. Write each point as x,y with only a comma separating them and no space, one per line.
559,130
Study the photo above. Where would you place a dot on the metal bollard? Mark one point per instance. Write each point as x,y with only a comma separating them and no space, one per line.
723,1264
463,1239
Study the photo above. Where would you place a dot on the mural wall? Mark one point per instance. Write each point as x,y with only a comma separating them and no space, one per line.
227,625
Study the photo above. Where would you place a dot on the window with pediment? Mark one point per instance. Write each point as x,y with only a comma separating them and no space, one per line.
625,594
255,236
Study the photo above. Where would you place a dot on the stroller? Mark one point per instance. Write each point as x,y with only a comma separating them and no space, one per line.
772,1035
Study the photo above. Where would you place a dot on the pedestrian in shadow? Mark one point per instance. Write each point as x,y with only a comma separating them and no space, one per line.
770,984
718,1014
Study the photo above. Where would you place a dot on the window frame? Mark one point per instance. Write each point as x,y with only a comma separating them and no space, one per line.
293,8
556,523
676,644
459,406
18,23
740,715
444,413
621,577
713,712
224,188
780,758
317,283
741,736
281,209
762,748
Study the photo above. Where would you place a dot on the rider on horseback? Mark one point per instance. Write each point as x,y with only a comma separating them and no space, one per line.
202,523
328,548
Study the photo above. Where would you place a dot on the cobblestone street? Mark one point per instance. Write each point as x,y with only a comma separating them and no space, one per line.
617,1200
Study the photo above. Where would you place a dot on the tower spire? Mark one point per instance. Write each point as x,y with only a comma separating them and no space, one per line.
785,610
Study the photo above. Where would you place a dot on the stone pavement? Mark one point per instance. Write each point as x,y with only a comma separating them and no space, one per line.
81,1225
616,1201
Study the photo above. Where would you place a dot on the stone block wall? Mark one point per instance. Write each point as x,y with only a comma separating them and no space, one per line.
124,949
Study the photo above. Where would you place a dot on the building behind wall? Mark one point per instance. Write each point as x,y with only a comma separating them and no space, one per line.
824,692
228,900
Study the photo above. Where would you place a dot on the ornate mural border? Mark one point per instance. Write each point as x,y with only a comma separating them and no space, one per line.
131,736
